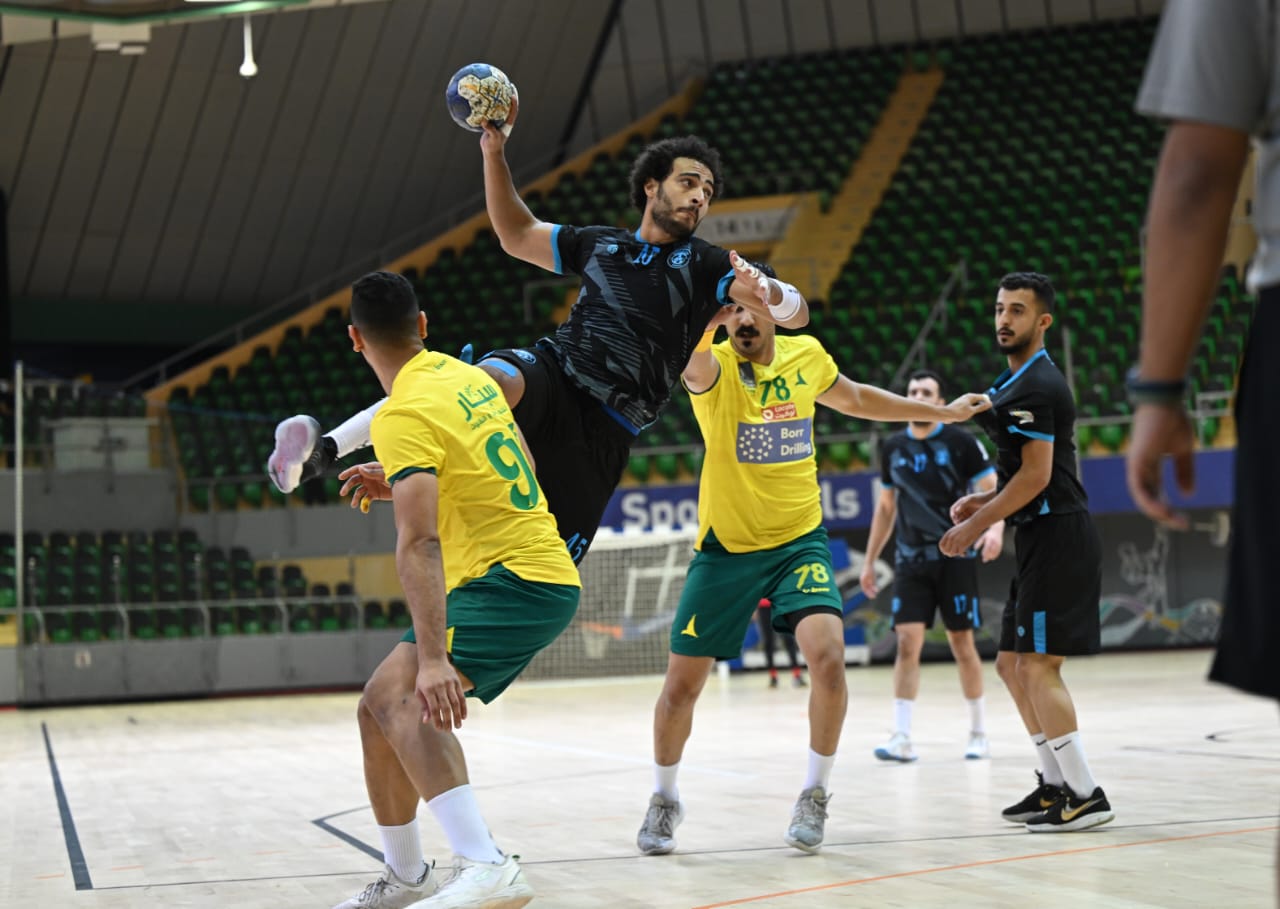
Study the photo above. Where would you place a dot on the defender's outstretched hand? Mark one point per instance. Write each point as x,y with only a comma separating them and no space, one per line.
366,483
967,406
752,276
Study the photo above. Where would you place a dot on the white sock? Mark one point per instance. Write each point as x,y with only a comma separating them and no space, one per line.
819,769
664,781
1048,763
902,715
1068,751
403,851
977,714
353,433
458,814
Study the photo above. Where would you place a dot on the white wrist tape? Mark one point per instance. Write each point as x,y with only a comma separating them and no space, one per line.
789,305
353,433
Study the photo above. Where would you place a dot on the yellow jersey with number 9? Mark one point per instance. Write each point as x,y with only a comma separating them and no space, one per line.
759,486
450,419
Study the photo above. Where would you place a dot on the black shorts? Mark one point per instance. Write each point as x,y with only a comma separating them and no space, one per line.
579,450
1251,620
946,585
1055,599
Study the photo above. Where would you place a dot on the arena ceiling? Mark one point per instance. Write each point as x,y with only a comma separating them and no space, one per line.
138,10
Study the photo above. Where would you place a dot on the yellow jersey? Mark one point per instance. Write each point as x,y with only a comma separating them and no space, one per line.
449,418
759,486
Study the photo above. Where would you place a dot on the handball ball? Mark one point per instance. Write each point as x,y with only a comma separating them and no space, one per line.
480,92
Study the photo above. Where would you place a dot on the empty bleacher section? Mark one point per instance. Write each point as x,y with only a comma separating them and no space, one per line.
85,587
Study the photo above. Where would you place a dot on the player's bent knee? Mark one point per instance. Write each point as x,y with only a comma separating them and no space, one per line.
507,378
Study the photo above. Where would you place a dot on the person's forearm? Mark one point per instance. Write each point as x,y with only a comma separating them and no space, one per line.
421,571
881,525
1020,490
870,403
507,211
1187,227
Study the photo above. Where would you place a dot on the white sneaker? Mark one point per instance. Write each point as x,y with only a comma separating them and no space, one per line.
296,440
481,885
898,748
390,892
978,748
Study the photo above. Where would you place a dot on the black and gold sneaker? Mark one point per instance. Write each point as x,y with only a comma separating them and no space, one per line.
1041,799
1073,813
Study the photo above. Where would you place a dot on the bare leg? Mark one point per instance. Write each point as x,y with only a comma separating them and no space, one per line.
906,665
512,385
1040,675
1007,669
673,714
968,662
426,762
821,640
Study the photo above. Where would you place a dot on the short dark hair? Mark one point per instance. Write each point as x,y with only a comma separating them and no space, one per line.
384,307
927,374
657,160
1038,284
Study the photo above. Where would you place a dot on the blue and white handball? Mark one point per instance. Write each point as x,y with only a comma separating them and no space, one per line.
480,92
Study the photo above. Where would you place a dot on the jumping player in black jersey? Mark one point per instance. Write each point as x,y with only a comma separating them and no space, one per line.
1054,611
582,395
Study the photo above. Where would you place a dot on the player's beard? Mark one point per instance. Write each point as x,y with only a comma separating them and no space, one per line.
663,215
1015,345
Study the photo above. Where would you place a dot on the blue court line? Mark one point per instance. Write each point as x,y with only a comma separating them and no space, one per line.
79,867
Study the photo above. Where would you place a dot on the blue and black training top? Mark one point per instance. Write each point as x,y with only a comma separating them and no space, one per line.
929,474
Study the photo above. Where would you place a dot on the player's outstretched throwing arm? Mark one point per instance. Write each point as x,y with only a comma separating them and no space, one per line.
521,234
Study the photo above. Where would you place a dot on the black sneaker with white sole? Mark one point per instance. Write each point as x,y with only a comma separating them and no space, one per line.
1074,813
1041,799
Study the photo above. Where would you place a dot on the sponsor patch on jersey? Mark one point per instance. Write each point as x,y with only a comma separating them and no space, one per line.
1023,416
679,258
779,412
775,443
526,356
612,249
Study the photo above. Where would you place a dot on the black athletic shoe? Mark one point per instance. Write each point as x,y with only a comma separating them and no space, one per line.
1041,799
1073,813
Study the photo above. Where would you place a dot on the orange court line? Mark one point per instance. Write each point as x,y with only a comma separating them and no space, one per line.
126,868
49,877
978,864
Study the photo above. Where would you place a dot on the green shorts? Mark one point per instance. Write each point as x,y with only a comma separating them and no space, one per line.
722,590
499,622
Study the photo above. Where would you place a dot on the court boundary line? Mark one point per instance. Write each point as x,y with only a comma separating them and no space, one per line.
981,863
75,854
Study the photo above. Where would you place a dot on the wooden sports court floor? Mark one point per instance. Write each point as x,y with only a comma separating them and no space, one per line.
259,802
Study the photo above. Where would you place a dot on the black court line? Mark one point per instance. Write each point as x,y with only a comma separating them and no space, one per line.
323,824
79,868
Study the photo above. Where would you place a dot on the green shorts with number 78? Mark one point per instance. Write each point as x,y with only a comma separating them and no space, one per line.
722,590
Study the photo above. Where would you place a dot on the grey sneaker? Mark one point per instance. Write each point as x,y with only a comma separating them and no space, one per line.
301,453
657,833
808,820
390,892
